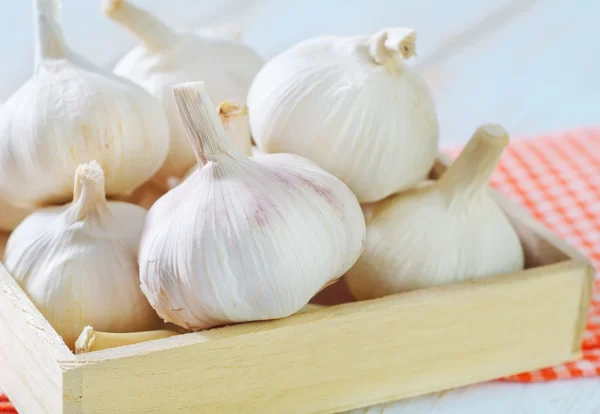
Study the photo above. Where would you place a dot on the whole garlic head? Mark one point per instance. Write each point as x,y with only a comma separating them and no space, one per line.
446,232
78,263
244,239
68,113
167,57
353,106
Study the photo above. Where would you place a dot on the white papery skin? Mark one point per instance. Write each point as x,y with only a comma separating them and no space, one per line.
446,232
71,112
78,263
167,57
353,106
244,239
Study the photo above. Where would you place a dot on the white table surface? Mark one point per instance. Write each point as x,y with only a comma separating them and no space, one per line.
531,65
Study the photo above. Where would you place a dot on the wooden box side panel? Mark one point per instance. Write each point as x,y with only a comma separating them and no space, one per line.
30,351
349,355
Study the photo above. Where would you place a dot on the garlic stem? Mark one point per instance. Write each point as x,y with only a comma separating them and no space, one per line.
90,340
387,43
50,43
154,33
205,130
470,172
88,193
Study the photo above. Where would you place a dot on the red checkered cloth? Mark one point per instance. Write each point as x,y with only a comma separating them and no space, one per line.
557,178
5,406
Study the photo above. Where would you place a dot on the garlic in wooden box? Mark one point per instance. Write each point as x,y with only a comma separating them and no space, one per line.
244,239
167,57
353,106
78,263
446,232
71,112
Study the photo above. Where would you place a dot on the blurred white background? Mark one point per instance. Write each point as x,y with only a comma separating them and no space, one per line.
531,65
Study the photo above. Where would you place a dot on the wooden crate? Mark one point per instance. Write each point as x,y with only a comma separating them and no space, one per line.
333,359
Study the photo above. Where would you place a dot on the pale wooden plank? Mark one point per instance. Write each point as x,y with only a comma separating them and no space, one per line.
323,361
30,351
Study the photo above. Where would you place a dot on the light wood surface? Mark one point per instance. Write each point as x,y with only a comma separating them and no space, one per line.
322,361
30,351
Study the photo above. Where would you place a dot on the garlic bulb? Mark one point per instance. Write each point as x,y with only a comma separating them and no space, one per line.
71,112
167,57
78,263
446,232
244,239
11,216
353,106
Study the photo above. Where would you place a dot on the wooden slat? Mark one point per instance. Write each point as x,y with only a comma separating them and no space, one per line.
30,351
324,361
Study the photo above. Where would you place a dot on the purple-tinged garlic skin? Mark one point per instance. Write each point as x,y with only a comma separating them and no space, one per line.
244,239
